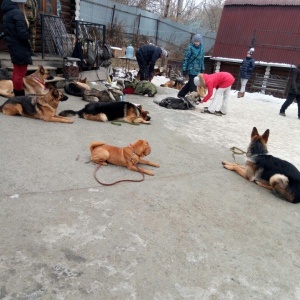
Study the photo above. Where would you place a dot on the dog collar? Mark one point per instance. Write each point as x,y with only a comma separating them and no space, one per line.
39,81
133,153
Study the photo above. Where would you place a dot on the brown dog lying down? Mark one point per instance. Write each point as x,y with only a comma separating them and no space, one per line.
34,83
128,156
37,107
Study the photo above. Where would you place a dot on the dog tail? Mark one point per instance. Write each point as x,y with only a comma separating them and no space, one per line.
94,145
68,113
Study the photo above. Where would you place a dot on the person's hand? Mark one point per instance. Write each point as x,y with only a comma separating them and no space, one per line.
184,73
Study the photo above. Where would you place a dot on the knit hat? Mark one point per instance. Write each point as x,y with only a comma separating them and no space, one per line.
197,38
164,52
251,50
199,80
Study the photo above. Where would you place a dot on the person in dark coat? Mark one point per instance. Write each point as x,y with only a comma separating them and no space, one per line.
193,64
294,92
146,56
246,69
16,33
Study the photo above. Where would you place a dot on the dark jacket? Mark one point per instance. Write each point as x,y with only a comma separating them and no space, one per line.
295,83
16,33
247,67
150,55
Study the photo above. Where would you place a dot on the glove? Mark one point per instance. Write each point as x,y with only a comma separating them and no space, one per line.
184,73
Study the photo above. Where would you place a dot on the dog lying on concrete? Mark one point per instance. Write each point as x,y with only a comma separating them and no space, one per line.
128,156
188,102
34,83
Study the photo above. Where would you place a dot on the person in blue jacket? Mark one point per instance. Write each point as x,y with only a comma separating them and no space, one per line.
246,69
146,57
193,64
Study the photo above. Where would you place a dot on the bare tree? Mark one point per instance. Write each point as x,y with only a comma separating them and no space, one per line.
203,13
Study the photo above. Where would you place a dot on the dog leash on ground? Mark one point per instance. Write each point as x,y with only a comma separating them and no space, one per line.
123,180
120,121
237,151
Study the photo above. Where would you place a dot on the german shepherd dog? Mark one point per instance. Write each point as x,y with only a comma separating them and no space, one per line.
77,87
176,84
110,111
268,171
37,107
33,83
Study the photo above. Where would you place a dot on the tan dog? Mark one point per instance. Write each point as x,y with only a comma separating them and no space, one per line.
128,156
37,107
176,84
33,84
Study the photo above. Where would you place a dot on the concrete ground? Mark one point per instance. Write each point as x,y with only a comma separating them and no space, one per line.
192,231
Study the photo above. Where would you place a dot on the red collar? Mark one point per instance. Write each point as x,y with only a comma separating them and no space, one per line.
39,81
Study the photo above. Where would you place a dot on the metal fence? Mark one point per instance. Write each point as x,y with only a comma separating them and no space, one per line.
134,21
54,36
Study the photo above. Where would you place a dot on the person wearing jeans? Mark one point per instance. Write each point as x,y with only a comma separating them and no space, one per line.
222,82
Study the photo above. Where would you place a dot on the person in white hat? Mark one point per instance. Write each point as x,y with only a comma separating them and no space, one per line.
16,33
222,82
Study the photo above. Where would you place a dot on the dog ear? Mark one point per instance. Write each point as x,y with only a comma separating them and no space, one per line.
254,132
265,136
41,70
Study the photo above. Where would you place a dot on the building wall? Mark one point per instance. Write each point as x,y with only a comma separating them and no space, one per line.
274,32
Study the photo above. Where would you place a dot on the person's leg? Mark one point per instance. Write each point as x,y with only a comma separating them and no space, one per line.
298,103
215,102
19,72
289,100
142,66
193,88
185,89
243,85
225,104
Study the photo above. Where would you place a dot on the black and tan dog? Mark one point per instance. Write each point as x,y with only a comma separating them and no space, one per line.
34,83
37,107
268,171
110,111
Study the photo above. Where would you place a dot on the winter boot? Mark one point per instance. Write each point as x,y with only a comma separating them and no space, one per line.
19,92
241,94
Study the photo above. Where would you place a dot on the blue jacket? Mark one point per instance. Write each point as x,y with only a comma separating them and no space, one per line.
193,61
247,67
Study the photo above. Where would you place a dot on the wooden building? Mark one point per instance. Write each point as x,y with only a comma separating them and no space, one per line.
272,27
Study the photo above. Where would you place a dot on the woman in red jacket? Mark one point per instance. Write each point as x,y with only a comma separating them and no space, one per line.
222,82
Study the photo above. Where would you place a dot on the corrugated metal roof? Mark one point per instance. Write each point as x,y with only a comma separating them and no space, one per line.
262,2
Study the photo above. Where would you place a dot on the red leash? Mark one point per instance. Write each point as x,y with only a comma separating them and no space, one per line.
123,180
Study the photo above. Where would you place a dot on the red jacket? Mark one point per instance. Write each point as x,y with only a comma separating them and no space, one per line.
217,80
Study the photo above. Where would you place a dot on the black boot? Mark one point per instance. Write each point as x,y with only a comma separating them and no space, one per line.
19,92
